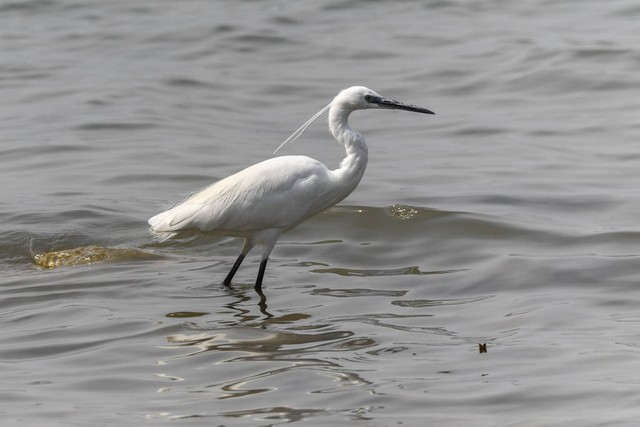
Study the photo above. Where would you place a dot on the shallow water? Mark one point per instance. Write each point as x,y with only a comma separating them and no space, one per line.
509,218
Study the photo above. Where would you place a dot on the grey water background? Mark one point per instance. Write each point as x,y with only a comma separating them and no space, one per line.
509,218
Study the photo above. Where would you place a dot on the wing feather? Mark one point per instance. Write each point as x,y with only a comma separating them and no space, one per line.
277,193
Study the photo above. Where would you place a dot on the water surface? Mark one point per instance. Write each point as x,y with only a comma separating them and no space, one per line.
509,218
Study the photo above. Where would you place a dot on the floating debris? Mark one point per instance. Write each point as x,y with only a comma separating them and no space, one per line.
482,348
87,255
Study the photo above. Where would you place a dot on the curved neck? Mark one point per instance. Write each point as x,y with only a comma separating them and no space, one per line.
354,164
339,125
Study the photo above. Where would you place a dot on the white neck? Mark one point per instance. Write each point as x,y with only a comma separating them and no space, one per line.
354,164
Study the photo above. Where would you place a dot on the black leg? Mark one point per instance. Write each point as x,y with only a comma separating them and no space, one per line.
236,265
263,266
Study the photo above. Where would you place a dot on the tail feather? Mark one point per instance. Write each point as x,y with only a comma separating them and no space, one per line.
178,218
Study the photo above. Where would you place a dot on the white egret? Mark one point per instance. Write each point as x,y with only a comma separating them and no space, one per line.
263,201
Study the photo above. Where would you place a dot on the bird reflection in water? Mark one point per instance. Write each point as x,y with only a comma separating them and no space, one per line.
241,297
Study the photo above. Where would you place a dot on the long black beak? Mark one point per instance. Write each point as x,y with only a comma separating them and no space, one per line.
396,105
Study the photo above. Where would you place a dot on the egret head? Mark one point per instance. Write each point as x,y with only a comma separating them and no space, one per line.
360,98
354,98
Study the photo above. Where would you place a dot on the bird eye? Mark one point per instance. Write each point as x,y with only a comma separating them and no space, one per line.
368,98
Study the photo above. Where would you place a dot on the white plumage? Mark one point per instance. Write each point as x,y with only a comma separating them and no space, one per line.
263,201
